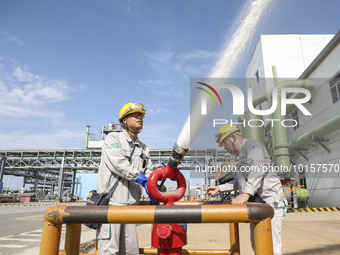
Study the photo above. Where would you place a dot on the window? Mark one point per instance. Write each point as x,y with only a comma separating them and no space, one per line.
257,76
334,86
296,118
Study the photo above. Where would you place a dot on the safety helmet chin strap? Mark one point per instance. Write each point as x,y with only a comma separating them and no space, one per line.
233,143
127,128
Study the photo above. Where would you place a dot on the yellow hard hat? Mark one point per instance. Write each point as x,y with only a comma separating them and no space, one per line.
131,108
225,131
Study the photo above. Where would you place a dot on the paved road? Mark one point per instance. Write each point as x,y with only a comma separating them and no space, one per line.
21,229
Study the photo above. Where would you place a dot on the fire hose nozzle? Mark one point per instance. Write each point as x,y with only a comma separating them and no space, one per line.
176,156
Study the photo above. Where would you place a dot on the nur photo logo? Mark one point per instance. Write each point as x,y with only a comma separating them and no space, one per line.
279,98
238,98
204,100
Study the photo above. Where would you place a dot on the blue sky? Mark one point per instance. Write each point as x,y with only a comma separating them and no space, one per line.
68,64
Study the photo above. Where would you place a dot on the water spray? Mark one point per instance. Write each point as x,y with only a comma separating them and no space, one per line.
163,236
231,55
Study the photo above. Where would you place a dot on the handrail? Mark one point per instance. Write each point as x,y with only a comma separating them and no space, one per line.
153,251
250,212
292,181
293,189
296,187
73,216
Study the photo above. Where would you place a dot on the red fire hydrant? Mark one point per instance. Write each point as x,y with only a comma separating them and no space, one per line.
167,238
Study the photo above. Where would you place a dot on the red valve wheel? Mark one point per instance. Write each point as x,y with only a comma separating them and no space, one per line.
160,174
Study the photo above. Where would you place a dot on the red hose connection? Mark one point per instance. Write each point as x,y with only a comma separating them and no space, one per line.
160,174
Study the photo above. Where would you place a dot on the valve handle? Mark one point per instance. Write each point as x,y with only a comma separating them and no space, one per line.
161,173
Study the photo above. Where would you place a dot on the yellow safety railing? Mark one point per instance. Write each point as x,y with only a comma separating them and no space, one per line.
294,185
188,212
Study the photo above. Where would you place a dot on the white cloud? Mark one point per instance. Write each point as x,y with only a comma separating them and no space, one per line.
9,37
197,54
162,87
30,114
21,140
24,94
155,83
159,135
158,110
161,57
174,67
21,112
191,63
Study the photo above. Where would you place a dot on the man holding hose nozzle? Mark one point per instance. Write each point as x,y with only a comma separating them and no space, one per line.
125,162
254,178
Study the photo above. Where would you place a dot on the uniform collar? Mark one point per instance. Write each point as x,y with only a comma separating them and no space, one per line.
243,143
128,138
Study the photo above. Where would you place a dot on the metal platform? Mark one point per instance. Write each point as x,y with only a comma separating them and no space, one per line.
59,167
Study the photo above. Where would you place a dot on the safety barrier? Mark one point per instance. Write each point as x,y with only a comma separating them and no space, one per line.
9,201
315,209
207,212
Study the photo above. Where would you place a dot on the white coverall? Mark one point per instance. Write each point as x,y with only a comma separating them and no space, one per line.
254,175
115,161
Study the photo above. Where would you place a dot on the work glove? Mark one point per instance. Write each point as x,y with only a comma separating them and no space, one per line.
143,180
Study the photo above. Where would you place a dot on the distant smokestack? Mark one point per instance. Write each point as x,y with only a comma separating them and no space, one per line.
87,137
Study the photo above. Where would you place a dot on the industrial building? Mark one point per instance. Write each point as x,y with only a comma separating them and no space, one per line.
68,173
314,143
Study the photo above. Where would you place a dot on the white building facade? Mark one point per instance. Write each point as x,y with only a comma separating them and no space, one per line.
316,58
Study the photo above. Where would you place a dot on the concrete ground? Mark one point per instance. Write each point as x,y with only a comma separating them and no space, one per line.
302,233
311,233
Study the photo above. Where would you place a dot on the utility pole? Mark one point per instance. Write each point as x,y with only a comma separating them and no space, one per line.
61,175
2,169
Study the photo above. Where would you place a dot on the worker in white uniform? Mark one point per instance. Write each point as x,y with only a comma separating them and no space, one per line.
125,156
255,179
